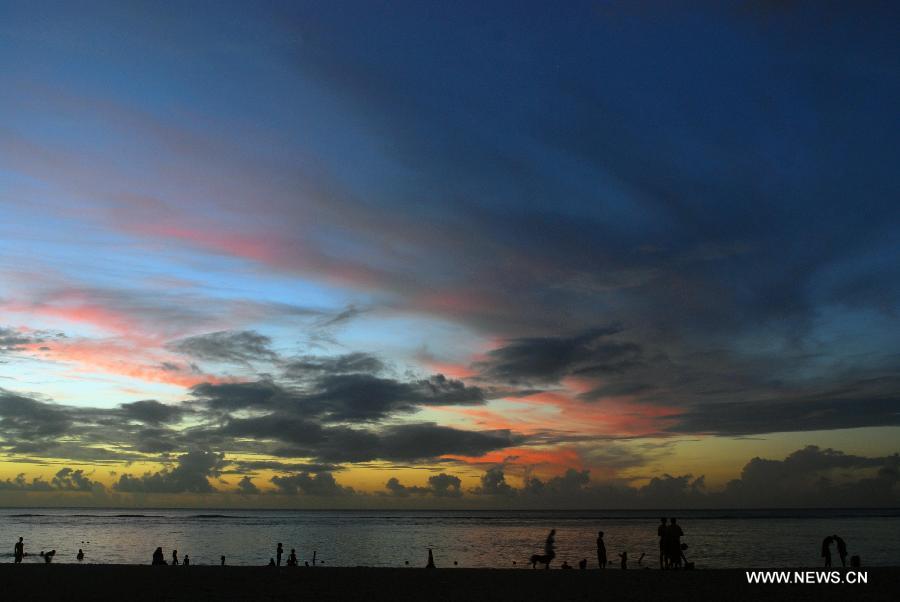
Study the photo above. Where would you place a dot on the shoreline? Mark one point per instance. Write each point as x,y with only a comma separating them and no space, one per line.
233,583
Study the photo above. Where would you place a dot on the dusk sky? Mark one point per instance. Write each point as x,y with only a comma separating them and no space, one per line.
425,254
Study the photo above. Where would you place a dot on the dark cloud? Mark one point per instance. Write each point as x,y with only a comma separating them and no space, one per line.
66,479
808,478
549,359
440,485
23,419
15,339
350,363
320,484
747,418
74,480
191,474
151,411
241,347
246,486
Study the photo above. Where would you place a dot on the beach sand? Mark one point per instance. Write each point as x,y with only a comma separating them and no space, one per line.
61,582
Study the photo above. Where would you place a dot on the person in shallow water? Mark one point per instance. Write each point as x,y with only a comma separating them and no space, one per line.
662,532
841,549
158,558
826,550
430,564
292,558
601,550
673,543
19,551
187,561
174,557
278,552
80,556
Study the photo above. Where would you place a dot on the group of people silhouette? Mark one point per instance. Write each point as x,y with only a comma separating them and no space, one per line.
841,550
671,550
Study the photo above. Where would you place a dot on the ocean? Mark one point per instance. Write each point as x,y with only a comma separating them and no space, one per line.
487,539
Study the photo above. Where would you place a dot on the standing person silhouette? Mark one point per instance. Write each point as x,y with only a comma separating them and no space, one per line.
673,543
278,552
601,550
550,547
174,557
430,564
19,551
841,549
292,558
187,561
826,550
662,532
80,555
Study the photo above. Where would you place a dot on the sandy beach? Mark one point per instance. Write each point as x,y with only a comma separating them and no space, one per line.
119,582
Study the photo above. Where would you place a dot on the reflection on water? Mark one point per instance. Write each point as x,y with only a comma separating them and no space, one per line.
717,539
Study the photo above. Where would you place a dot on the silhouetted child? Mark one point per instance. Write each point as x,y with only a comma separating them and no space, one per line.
565,565
174,557
80,556
582,564
430,564
292,558
271,562
48,557
223,561
187,560
624,562
19,551
278,552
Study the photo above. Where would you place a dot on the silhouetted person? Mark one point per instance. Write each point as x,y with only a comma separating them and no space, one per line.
80,555
19,551
841,549
174,557
187,561
48,557
430,564
623,562
278,552
159,558
601,550
223,561
582,564
272,562
292,558
673,543
826,550
662,532
565,565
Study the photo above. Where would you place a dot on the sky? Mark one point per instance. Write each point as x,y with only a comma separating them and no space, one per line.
425,254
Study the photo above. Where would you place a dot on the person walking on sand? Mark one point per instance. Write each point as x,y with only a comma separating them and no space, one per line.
662,532
19,551
841,549
826,550
601,550
278,552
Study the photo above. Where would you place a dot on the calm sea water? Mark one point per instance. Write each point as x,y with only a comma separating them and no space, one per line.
716,538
